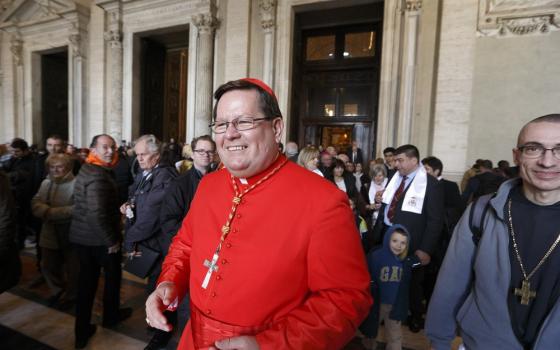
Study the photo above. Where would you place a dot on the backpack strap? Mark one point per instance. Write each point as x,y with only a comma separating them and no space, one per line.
477,214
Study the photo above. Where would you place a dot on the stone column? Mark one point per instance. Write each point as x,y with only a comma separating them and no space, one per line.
16,47
412,14
389,80
206,24
113,36
268,23
76,87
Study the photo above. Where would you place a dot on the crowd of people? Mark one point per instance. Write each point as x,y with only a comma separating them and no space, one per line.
103,207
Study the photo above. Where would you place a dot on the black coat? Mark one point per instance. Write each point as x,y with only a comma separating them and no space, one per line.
358,158
147,195
10,264
20,173
176,204
96,216
425,228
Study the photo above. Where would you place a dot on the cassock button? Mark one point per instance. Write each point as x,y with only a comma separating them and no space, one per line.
239,216
224,261
228,245
208,311
234,230
213,294
218,277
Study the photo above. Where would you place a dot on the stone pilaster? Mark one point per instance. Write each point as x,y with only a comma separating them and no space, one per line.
268,24
16,47
409,66
206,24
113,37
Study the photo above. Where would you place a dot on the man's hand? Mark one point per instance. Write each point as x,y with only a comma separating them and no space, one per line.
237,343
114,248
123,207
157,302
423,256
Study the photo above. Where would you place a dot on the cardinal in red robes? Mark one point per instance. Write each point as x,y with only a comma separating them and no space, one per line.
269,251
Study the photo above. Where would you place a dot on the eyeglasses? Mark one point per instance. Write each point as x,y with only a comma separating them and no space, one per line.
240,124
536,150
202,152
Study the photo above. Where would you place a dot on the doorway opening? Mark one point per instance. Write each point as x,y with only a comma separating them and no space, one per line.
54,95
163,90
336,71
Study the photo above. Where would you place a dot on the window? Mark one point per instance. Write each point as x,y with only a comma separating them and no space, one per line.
320,48
359,44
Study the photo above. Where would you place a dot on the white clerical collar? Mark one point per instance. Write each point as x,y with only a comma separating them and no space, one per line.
243,181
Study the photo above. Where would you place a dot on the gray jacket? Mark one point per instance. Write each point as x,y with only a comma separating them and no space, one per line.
478,306
56,198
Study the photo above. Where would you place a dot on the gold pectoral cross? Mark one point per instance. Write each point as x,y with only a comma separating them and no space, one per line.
212,266
525,292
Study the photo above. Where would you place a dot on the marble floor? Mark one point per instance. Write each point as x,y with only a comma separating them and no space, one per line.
27,322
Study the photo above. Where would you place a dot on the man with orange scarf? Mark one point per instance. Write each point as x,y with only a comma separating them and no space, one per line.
95,231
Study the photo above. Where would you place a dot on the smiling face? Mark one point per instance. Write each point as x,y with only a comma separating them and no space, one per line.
541,175
398,243
104,148
203,155
249,152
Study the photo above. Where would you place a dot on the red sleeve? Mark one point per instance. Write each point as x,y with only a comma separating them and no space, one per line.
338,283
176,266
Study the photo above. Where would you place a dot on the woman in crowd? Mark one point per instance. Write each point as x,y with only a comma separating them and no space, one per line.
186,163
378,183
361,178
343,180
309,159
53,205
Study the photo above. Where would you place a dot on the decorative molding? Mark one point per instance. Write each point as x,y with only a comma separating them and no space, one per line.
268,14
16,47
4,5
506,18
74,42
113,35
205,22
413,5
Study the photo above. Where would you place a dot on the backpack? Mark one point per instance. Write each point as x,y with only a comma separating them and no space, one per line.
477,213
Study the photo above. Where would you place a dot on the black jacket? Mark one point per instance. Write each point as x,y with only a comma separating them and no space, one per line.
176,204
147,195
7,216
96,215
20,173
426,227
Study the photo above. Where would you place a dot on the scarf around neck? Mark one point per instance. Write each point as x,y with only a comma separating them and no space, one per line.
95,160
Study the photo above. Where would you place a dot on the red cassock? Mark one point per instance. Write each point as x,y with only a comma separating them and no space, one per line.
291,271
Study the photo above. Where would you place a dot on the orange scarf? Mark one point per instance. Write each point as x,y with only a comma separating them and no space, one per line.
93,159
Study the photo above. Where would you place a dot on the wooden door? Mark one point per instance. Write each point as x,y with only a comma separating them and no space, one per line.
175,95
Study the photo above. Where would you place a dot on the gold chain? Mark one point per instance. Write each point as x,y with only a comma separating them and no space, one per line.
552,247
237,200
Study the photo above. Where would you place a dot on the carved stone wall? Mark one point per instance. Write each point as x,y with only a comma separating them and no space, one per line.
505,18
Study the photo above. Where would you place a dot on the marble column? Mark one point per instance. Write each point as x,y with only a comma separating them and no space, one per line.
113,36
268,23
206,24
411,19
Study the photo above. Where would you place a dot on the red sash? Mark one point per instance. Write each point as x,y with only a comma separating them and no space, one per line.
206,331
